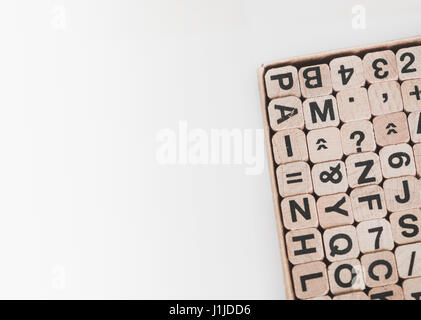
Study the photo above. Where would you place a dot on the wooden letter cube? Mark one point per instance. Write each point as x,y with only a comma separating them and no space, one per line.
329,177
324,144
391,129
414,122
347,72
343,133
321,298
375,235
315,81
379,269
282,82
320,112
299,212
352,296
289,145
363,169
409,63
397,160
335,210
368,203
406,226
341,243
294,178
304,245
310,280
385,97
408,258
286,113
391,292
411,95
380,66
412,289
417,155
402,193
353,105
345,276
357,136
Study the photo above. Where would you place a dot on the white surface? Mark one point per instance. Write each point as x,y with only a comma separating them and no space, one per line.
86,211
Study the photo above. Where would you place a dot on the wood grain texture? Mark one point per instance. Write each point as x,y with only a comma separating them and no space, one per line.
289,145
320,112
379,269
282,82
391,292
353,104
402,193
357,136
406,226
397,160
294,178
412,289
363,169
321,298
324,144
411,95
391,129
347,72
385,97
360,295
335,210
341,243
414,123
368,203
375,235
409,62
329,177
299,212
286,271
315,80
299,62
417,156
310,280
408,258
286,113
304,245
346,276
380,66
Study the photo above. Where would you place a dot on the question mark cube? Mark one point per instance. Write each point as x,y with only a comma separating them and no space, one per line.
357,136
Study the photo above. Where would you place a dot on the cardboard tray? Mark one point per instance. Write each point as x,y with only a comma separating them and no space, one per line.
299,62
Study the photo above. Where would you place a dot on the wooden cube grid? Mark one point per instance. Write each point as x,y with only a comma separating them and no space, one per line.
349,122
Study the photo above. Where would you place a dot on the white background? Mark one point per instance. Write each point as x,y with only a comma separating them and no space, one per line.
86,211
